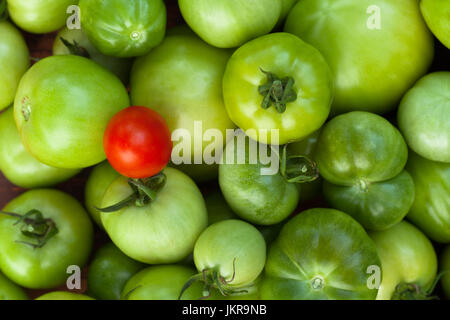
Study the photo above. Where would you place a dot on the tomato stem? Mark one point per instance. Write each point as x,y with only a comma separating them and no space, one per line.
297,168
277,92
411,291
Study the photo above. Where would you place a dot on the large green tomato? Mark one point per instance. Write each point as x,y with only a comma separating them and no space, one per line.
231,23
320,254
18,165
14,61
361,156
39,16
123,28
182,80
10,291
163,231
408,261
424,117
437,16
445,267
79,44
365,43
277,82
63,295
162,283
29,258
62,107
431,208
109,271
98,182
287,6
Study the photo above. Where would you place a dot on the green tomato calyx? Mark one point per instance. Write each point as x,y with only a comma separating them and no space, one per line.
363,185
277,92
317,283
74,48
412,291
144,192
26,108
34,226
297,168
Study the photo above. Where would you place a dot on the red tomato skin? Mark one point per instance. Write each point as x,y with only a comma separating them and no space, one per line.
137,142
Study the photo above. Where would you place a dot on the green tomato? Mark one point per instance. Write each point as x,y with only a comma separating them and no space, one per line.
82,46
109,271
436,14
424,117
10,291
41,265
407,258
287,6
320,254
231,23
162,283
39,16
63,295
260,199
445,267
14,61
123,28
365,43
182,80
62,107
278,82
165,230
217,207
18,165
431,208
233,250
100,178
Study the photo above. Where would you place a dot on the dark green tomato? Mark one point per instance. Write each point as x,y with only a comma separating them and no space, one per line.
62,107
436,14
98,182
320,254
162,283
39,16
258,198
18,165
445,267
123,28
120,67
365,42
44,267
10,291
14,61
424,117
431,208
163,231
359,148
109,271
378,207
63,295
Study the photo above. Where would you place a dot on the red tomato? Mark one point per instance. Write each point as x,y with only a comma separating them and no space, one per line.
137,142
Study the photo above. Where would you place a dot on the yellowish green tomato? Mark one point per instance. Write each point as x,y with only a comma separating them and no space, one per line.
437,16
10,291
63,295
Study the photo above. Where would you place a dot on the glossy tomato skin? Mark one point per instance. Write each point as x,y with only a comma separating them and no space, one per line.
138,28
63,295
11,291
444,263
320,254
18,165
229,240
39,16
45,267
424,117
165,230
62,107
284,55
260,199
407,256
436,13
109,271
162,283
363,42
184,95
99,180
120,67
137,142
14,61
231,23
431,208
